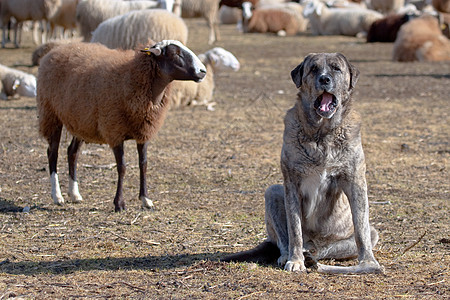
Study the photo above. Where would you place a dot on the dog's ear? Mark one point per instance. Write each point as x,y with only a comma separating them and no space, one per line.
297,75
353,71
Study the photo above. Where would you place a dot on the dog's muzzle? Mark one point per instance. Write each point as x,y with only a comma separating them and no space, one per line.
325,105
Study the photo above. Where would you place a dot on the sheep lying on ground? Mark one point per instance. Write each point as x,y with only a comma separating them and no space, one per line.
23,10
237,3
385,30
191,93
230,10
136,27
90,13
421,39
45,48
339,21
386,6
291,7
441,5
275,20
17,82
229,15
108,96
207,9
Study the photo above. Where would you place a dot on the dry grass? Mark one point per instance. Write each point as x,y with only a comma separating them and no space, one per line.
207,174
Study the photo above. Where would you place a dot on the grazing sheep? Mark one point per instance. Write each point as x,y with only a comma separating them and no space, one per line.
385,30
339,21
386,6
262,20
17,82
108,96
136,27
207,9
23,10
191,93
90,13
421,39
64,17
441,5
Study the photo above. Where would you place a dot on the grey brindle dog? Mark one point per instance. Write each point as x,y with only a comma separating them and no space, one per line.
322,210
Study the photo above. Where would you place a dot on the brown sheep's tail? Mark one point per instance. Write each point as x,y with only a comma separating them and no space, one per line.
265,253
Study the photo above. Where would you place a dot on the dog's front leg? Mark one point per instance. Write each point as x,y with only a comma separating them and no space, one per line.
356,191
296,260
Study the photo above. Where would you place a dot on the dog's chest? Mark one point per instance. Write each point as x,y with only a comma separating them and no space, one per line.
317,169
313,188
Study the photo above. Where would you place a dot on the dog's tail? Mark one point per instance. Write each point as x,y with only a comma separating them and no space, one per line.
265,253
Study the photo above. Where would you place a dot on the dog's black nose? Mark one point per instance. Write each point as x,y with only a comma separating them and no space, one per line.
325,79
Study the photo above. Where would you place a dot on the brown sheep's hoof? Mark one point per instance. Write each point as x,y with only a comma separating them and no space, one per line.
120,208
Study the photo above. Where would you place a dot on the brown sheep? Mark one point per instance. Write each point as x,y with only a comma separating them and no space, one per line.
43,49
385,30
237,3
421,40
279,21
441,5
108,96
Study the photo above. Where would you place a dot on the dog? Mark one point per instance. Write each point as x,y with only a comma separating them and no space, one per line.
321,211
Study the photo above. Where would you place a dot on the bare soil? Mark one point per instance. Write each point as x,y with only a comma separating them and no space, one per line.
207,175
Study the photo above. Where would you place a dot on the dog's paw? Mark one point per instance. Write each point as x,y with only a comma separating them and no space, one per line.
370,267
292,266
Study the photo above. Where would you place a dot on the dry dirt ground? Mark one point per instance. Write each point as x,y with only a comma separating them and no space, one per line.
207,175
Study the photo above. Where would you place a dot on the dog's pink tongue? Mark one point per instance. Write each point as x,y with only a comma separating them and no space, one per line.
327,99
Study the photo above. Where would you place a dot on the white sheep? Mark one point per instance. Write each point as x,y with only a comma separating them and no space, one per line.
421,39
102,95
283,19
90,13
207,9
23,10
17,82
339,21
191,93
136,27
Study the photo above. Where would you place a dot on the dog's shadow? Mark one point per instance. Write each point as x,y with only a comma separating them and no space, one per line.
146,263
8,206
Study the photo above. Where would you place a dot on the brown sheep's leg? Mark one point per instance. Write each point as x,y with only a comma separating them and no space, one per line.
72,156
52,154
142,152
119,204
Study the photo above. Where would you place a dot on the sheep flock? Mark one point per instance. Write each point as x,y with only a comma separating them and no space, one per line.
100,30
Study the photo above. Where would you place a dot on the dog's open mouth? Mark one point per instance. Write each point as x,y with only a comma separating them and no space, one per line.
325,104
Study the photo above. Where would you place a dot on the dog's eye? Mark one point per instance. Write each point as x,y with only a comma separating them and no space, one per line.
336,68
314,69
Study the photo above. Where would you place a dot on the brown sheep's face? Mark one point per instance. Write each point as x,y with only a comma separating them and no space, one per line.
177,62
